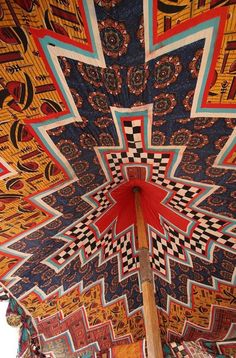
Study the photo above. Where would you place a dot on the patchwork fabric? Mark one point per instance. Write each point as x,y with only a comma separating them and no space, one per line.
173,243
98,98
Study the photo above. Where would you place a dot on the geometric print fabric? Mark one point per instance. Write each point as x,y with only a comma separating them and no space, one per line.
174,242
205,236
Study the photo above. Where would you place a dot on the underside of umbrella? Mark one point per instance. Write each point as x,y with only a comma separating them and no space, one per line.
117,177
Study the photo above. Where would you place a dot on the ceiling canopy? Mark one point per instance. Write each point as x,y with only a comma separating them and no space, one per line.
101,100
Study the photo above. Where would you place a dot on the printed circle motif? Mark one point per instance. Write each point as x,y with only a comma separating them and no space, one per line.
195,64
99,102
83,207
167,70
90,73
137,79
19,246
215,200
188,100
230,122
138,104
87,141
220,190
76,200
76,97
55,224
67,191
233,194
163,104
65,66
68,149
180,137
232,206
103,122
106,140
81,123
190,157
201,123
215,172
80,167
112,79
211,159
39,234
158,138
220,143
92,186
158,122
114,37
191,168
56,131
197,140
50,200
86,179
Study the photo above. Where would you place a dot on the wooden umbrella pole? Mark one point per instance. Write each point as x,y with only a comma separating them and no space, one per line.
151,319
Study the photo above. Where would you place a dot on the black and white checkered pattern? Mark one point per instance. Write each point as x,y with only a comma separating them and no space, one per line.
209,228
175,243
87,240
133,136
122,245
206,229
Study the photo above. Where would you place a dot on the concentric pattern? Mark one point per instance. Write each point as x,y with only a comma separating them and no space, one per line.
114,37
69,253
173,243
167,70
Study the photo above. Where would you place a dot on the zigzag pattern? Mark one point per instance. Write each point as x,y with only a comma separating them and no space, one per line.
54,171
221,319
180,196
97,310
99,337
164,24
48,149
192,276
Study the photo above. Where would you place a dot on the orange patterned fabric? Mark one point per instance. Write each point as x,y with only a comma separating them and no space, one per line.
129,351
97,97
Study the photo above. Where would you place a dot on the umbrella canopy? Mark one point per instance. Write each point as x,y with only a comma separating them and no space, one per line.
98,100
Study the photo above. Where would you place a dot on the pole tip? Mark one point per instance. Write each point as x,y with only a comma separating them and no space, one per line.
136,189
